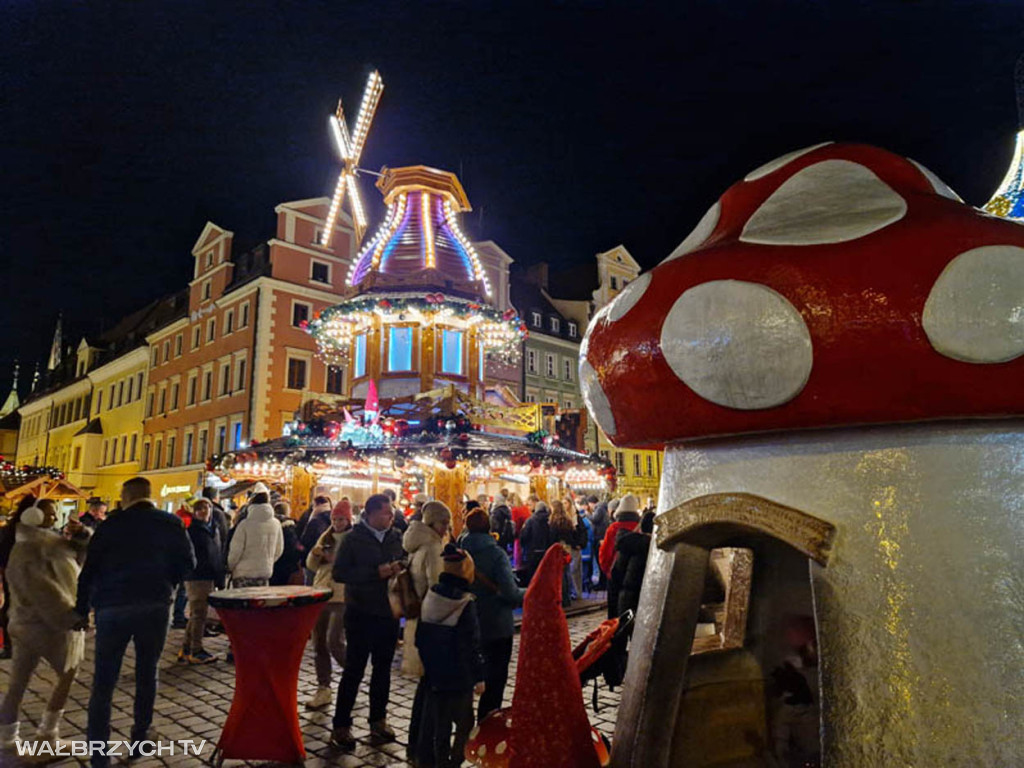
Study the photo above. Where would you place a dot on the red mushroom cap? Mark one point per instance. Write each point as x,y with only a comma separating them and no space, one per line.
837,285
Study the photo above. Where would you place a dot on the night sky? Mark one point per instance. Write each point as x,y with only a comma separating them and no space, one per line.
573,126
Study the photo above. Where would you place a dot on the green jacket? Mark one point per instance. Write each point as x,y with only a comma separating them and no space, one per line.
494,608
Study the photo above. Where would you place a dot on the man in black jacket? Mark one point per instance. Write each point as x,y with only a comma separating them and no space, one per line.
134,561
368,555
219,520
207,576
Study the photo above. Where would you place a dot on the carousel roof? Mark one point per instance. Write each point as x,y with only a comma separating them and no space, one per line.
420,236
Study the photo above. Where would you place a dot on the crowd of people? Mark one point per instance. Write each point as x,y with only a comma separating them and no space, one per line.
138,570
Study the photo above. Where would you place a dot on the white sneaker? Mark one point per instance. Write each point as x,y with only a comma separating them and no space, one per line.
9,735
321,698
49,726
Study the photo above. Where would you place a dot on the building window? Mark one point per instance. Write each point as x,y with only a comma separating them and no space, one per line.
145,456
131,386
236,437
636,464
124,447
110,397
156,357
99,401
196,336
207,385
549,366
135,446
192,382
225,379
174,397
177,345
170,451
335,380
77,461
187,458
321,273
620,462
400,349
359,361
536,319
202,446
163,400
78,409
222,436
229,321
209,259
296,374
300,313
244,322
650,465
211,329
206,291
615,283
241,376
556,324
531,361
167,350
149,405
531,397
573,332
157,454
567,366
451,352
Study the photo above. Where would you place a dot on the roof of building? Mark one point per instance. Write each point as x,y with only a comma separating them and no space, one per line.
529,298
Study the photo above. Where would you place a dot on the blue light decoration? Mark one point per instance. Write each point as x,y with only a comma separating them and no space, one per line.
451,352
400,348
359,364
1008,201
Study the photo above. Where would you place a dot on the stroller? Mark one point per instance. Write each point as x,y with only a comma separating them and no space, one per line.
604,653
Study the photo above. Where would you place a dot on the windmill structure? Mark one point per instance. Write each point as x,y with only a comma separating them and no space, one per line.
350,148
1008,200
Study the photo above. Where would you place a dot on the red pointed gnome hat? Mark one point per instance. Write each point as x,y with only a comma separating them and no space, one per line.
549,721
372,403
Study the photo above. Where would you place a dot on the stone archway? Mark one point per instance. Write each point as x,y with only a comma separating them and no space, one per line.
664,638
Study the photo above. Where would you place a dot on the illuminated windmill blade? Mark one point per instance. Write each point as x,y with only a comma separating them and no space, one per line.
356,202
336,201
371,98
340,132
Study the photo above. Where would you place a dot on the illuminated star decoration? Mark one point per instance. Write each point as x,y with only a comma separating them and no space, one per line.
350,147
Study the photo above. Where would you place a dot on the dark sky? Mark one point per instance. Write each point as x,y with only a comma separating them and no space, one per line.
574,126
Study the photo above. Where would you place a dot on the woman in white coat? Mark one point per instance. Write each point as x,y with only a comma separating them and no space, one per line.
256,544
43,574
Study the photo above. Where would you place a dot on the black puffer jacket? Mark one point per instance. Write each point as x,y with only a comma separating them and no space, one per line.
356,565
206,544
448,637
291,558
536,537
628,572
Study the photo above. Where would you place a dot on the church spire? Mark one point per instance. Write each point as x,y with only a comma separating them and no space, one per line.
12,402
55,348
1008,201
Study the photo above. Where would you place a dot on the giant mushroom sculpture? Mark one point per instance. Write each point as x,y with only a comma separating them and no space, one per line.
845,289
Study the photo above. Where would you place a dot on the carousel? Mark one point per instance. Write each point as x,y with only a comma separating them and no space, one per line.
415,333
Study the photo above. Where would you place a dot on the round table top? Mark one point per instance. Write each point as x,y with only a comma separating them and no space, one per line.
255,598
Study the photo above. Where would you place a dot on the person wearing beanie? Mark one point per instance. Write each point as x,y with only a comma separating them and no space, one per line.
43,570
536,537
367,557
627,576
329,631
207,575
627,518
417,502
256,545
288,567
501,521
497,596
448,638
424,541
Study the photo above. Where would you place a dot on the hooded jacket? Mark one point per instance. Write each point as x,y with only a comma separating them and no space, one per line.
256,545
136,557
290,560
424,547
537,536
494,608
359,556
448,637
624,522
319,522
627,575
205,540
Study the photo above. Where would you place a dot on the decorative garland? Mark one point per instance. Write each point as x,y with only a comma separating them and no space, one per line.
14,475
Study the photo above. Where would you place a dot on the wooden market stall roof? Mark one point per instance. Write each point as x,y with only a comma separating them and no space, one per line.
47,488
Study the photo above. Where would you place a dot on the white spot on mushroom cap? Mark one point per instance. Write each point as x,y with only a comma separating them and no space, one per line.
829,202
482,752
628,297
738,344
500,749
474,732
595,398
975,310
778,162
937,184
700,233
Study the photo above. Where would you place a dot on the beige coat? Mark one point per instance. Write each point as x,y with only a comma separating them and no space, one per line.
42,574
424,546
321,560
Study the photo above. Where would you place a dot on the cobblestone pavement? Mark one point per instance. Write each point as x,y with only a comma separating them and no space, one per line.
193,703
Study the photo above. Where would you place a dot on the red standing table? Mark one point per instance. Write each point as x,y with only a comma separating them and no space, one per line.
268,627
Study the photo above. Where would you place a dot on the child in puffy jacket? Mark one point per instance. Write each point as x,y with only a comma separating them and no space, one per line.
448,640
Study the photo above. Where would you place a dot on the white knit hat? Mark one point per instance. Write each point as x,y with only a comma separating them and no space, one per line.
260,488
629,503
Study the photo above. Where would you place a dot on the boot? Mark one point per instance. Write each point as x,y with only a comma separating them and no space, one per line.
8,735
380,733
321,698
49,726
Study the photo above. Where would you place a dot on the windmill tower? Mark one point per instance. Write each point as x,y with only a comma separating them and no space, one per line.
1008,201
350,148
